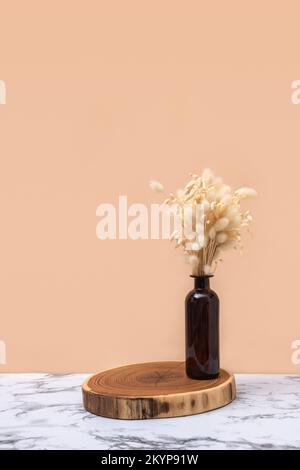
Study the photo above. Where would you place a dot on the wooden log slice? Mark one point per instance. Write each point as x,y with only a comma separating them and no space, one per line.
154,390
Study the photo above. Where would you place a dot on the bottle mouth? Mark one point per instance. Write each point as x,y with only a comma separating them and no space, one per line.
202,276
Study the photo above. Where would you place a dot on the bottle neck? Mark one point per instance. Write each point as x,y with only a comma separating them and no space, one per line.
201,282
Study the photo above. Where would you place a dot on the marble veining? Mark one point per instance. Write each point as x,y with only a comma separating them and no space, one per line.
44,411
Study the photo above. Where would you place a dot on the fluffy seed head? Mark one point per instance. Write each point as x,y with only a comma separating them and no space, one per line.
221,237
245,192
156,186
221,224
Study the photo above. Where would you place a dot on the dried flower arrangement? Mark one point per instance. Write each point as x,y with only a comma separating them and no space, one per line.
210,219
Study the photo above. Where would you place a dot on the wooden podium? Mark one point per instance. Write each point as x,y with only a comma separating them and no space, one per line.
155,390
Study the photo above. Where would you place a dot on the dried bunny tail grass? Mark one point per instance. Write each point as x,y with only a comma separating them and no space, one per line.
207,269
211,195
223,191
207,175
180,193
218,182
235,221
192,259
226,200
212,233
205,240
244,192
222,237
232,211
193,246
210,219
228,245
156,186
187,215
205,204
221,224
175,235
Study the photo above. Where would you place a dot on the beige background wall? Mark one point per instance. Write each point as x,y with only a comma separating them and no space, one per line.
101,97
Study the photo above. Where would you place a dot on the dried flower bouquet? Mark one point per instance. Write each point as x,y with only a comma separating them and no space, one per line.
210,219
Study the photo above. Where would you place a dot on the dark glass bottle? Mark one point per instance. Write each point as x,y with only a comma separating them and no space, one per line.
202,330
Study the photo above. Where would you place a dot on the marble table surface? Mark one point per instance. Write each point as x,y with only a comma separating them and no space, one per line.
44,411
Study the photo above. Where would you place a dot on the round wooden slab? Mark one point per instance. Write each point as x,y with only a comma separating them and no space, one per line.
154,390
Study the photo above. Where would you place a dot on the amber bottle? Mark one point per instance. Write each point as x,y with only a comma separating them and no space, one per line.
202,330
